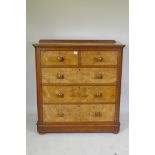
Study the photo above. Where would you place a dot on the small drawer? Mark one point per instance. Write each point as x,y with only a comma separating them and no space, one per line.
59,57
78,113
99,58
78,94
79,75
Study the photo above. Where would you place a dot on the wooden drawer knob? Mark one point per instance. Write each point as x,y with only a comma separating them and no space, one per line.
99,59
98,114
60,114
61,95
60,76
99,76
60,59
84,95
98,94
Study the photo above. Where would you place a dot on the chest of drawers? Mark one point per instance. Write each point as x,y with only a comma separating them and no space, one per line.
78,85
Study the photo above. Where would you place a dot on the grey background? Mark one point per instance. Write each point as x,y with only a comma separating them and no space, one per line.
76,19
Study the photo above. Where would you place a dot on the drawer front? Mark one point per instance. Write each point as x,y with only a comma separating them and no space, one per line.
99,58
78,113
78,75
59,58
80,94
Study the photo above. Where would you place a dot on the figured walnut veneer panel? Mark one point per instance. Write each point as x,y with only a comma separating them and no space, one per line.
82,94
78,113
99,58
51,58
79,75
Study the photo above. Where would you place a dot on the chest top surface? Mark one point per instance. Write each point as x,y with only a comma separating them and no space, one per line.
76,43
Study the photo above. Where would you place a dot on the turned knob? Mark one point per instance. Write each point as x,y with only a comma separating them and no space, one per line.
60,114
98,76
98,114
61,95
60,59
84,95
98,94
60,76
99,59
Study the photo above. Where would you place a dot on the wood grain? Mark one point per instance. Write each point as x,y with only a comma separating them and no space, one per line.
86,43
42,128
91,57
81,94
118,88
51,57
78,113
38,85
78,75
75,41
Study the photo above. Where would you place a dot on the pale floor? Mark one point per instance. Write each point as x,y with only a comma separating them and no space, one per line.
77,143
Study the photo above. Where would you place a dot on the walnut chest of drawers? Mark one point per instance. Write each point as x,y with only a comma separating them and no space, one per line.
78,85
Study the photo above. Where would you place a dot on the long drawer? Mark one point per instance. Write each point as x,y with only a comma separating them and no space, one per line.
80,94
79,75
78,113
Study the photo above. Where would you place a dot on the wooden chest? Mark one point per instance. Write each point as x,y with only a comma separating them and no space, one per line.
78,85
